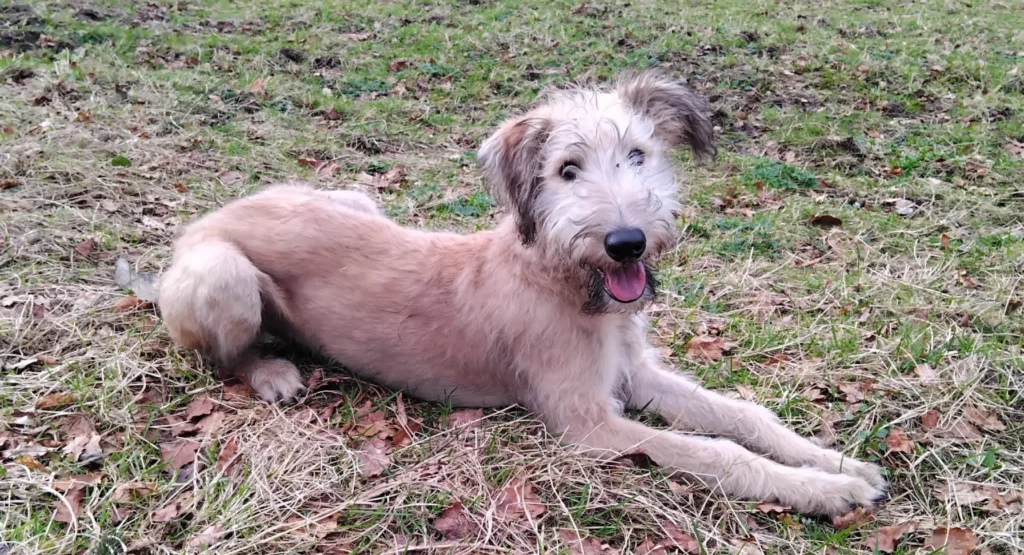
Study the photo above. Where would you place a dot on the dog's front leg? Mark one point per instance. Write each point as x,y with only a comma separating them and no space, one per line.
722,465
685,404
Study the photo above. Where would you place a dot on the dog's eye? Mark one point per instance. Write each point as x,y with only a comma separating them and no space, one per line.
636,157
569,171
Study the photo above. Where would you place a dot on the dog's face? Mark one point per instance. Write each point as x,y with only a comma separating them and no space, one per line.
589,178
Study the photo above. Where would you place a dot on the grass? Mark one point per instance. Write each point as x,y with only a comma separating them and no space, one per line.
121,121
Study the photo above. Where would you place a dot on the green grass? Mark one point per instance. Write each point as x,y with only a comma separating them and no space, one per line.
123,123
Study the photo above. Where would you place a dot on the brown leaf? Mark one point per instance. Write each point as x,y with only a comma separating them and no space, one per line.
64,484
944,240
650,547
391,179
927,374
898,441
332,115
180,187
856,391
371,424
226,457
308,162
237,392
178,426
9,184
85,248
453,523
983,418
167,513
578,545
209,536
256,86
179,453
84,448
200,406
957,541
768,508
708,347
856,517
516,501
231,177
54,400
374,458
930,419
747,393
129,491
128,303
398,65
962,430
327,169
468,418
210,424
30,462
826,221
885,539
681,539
70,508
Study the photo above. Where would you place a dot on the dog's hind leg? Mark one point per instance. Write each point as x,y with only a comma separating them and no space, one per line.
212,299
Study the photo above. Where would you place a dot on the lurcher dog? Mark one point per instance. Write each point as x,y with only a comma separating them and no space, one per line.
544,310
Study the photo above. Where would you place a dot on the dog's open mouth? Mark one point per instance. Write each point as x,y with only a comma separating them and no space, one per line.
626,283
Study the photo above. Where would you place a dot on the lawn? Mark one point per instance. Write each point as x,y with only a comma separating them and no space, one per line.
858,243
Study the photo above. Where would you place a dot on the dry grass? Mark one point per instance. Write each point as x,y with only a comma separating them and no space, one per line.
848,333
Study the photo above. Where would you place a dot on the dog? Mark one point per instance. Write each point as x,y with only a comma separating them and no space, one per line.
545,310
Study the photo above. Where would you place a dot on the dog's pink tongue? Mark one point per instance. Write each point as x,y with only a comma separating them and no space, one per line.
626,283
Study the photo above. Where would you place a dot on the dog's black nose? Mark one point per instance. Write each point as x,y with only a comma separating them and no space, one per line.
625,245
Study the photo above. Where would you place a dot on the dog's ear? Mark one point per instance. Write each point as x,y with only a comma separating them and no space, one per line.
679,115
512,159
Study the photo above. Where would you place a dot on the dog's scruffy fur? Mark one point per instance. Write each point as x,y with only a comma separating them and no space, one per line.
536,311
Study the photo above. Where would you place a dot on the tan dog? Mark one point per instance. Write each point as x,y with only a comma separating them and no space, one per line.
543,311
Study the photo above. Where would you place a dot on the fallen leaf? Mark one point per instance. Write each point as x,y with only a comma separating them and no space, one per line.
85,248
856,517
398,65
578,545
518,501
962,430
983,418
70,508
746,393
200,406
54,400
453,523
681,539
885,539
468,418
927,374
226,456
898,441
167,513
371,424
30,462
708,347
327,169
768,508
944,240
957,541
64,484
180,187
128,303
231,178
211,535
930,419
119,515
256,86
131,490
905,207
826,221
856,391
210,424
237,392
84,447
9,183
179,453
391,179
650,547
374,458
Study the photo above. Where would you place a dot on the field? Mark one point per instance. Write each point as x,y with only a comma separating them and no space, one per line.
852,260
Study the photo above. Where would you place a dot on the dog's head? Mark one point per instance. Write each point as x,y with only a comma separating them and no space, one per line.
588,176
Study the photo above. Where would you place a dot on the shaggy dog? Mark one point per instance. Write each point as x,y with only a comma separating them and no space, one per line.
544,310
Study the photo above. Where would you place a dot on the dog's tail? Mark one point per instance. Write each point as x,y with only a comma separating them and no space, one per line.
212,298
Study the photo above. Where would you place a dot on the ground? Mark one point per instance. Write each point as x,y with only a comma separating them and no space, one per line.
851,259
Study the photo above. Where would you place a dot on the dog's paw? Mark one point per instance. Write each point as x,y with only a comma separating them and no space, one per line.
837,463
840,494
275,380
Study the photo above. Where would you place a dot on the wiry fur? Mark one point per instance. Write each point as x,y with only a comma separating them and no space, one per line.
516,314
